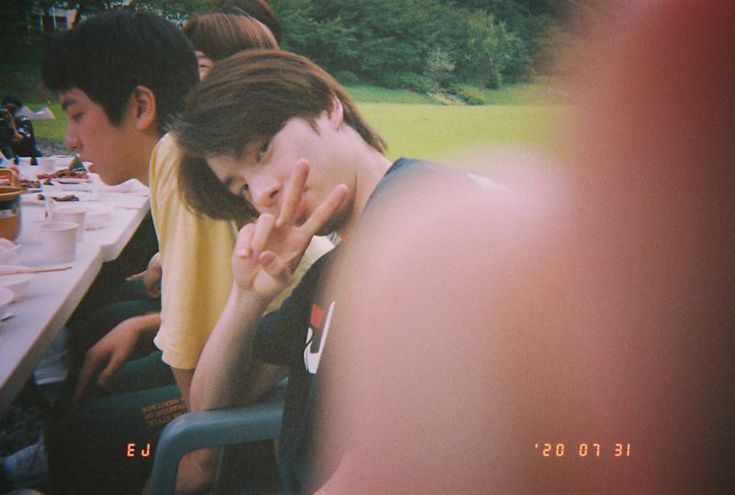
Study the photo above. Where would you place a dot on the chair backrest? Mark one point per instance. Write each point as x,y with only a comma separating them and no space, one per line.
197,430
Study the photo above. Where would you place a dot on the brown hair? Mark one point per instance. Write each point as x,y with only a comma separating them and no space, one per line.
247,98
205,193
257,9
219,35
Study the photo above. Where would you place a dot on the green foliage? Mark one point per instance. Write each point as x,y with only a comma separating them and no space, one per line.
376,40
421,45
390,43
469,94
346,78
418,83
178,10
482,58
439,66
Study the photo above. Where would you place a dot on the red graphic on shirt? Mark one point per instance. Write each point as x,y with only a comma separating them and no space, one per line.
317,316
316,337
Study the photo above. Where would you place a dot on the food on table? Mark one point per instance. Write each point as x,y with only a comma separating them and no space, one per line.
27,183
64,173
68,197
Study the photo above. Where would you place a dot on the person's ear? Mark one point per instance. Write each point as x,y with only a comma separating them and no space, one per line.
336,113
144,108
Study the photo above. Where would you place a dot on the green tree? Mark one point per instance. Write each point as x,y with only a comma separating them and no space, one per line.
379,40
440,66
179,10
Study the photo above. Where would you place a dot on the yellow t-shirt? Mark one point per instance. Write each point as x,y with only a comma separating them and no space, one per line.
195,260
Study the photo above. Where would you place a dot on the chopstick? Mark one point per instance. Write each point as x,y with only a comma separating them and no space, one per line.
127,207
36,269
47,206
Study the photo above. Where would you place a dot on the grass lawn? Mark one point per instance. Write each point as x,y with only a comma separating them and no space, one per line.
375,94
437,131
49,129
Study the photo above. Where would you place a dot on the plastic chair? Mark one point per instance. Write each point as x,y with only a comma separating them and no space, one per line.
196,430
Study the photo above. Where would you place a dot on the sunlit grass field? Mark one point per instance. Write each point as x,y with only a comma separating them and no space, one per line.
49,129
436,131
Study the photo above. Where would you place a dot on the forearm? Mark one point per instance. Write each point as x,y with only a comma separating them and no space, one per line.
222,376
148,325
226,375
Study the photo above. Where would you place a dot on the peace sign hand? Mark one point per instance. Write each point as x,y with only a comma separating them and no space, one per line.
268,250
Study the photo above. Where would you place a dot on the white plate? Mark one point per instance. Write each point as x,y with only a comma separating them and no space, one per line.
71,184
33,199
70,180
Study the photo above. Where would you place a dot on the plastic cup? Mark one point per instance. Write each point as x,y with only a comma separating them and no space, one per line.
74,214
58,241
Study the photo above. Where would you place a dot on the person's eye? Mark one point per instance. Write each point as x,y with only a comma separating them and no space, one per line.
76,117
243,191
263,150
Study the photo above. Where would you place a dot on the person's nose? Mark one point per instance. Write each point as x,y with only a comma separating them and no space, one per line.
264,192
72,139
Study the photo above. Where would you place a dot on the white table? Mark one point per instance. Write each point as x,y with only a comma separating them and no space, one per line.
52,297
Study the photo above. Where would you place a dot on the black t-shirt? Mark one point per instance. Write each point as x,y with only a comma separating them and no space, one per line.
295,335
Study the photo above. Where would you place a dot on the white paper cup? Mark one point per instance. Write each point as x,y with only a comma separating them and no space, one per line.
98,217
58,241
46,164
6,297
74,214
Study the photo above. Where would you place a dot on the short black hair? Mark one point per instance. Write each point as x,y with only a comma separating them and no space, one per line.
108,55
13,101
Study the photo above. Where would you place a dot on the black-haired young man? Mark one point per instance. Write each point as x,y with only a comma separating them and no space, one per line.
119,77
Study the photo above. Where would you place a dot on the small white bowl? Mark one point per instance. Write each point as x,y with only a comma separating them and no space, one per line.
18,283
98,217
6,297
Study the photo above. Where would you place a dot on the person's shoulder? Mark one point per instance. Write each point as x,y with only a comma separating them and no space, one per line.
414,168
411,175
166,146
164,157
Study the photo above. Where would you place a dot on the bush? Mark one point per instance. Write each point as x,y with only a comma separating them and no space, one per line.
494,79
346,77
469,94
418,83
439,66
390,80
